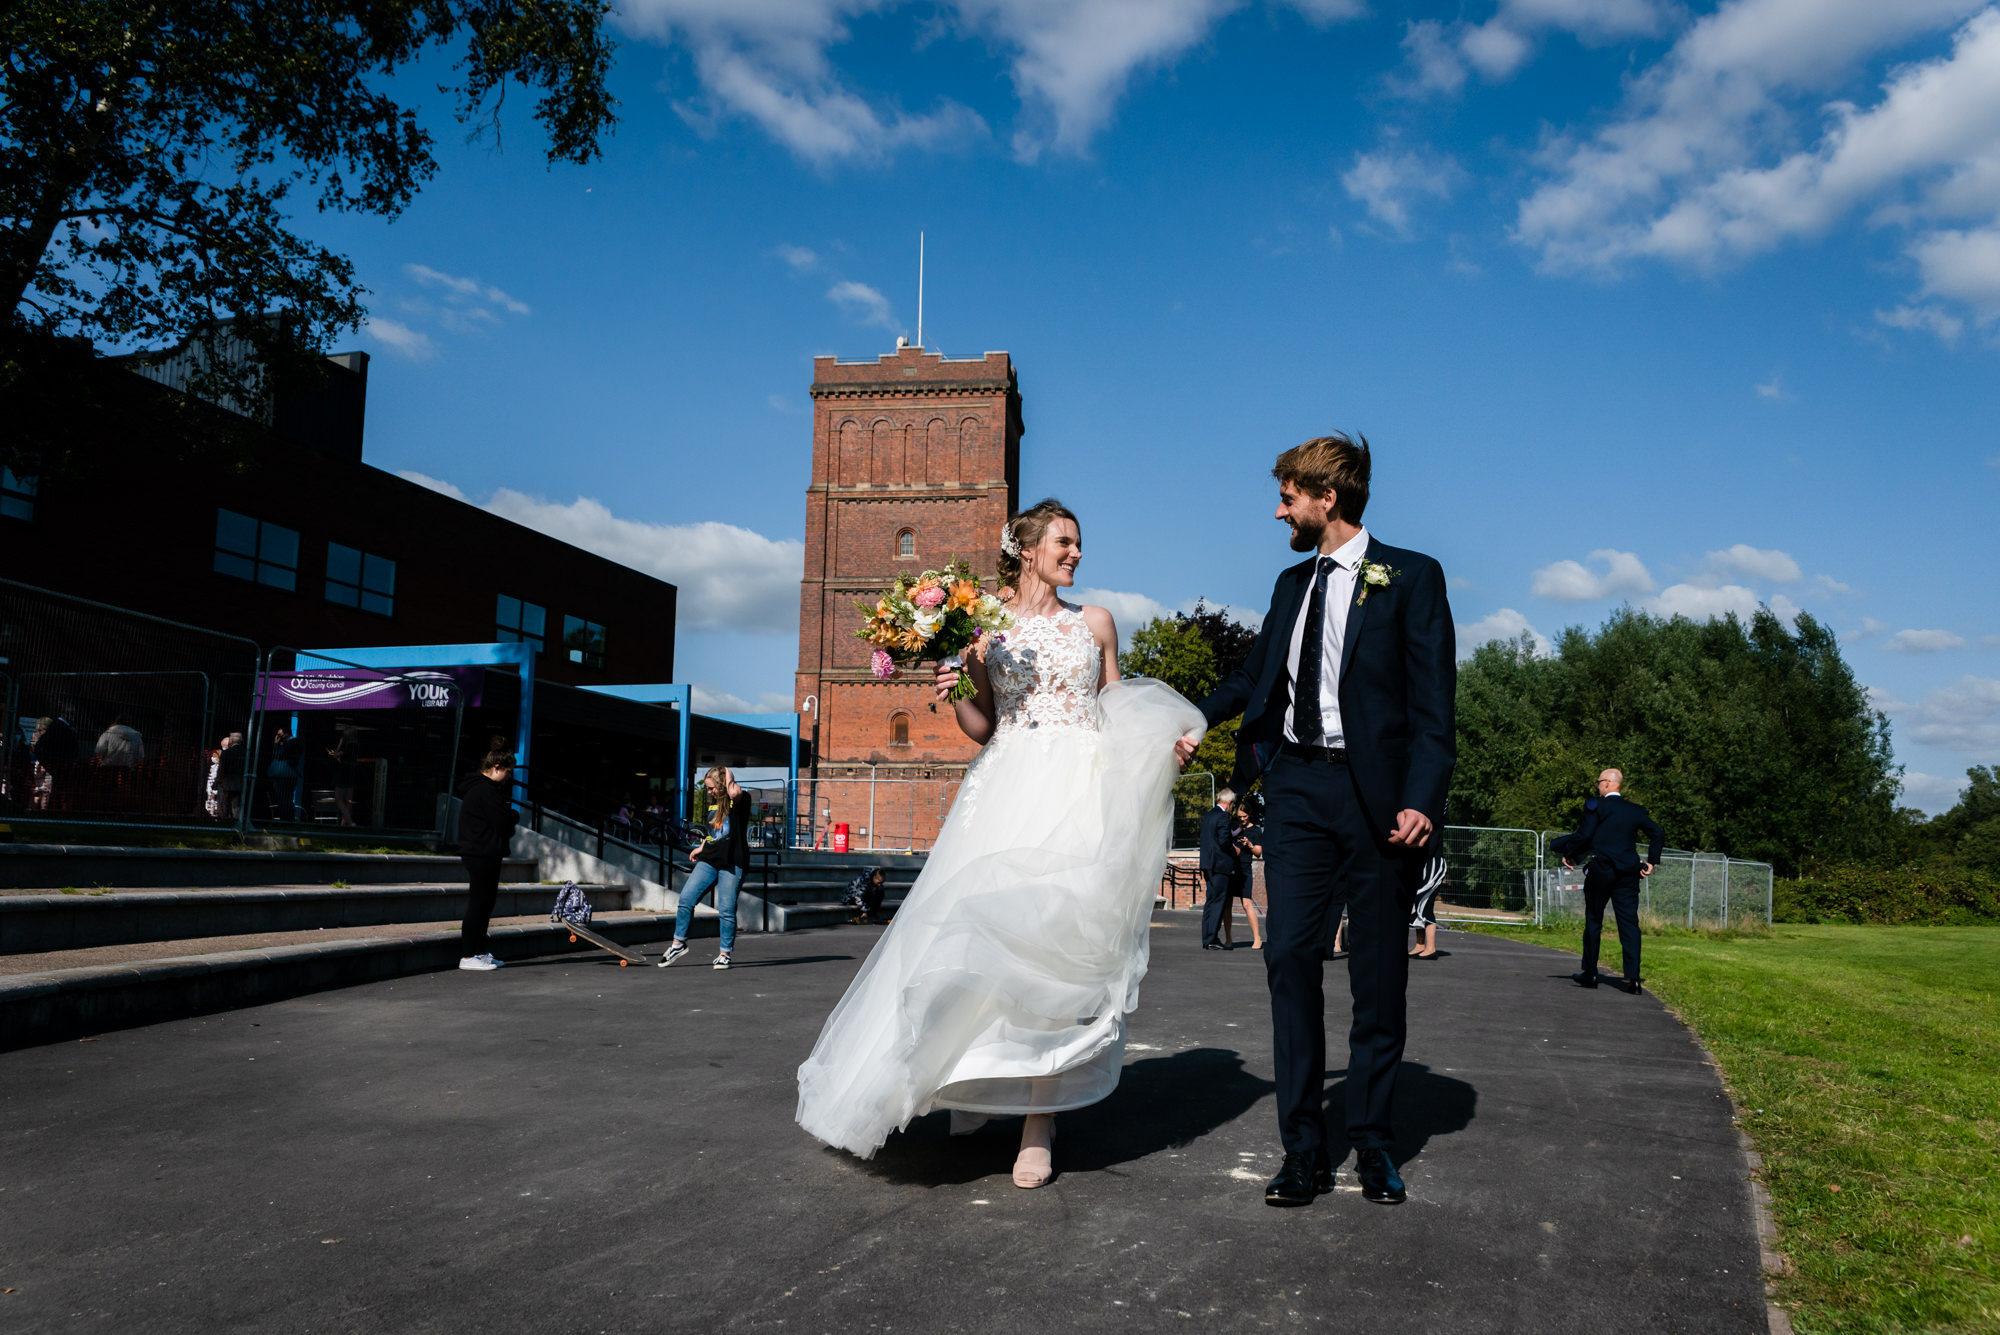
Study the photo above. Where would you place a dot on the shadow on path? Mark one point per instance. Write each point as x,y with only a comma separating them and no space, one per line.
1161,1103
1427,1104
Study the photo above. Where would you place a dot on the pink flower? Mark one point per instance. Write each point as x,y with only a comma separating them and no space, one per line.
883,666
931,597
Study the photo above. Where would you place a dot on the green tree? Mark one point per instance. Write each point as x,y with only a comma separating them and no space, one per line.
150,155
1172,650
1752,739
1969,833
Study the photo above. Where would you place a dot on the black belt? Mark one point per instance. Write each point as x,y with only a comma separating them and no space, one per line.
1325,755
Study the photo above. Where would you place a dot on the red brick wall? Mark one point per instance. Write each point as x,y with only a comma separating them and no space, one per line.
909,442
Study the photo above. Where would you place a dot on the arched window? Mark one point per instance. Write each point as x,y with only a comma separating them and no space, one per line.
906,543
899,729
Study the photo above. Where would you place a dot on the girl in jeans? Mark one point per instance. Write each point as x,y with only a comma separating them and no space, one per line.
719,862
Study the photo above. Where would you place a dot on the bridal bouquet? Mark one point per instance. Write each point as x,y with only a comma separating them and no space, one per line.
932,618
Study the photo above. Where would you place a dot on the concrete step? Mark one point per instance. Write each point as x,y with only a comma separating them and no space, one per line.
49,1007
84,866
30,924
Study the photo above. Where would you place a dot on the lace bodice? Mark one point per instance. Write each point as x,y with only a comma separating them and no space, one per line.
1045,674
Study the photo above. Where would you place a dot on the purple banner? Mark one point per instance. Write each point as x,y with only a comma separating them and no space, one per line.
374,688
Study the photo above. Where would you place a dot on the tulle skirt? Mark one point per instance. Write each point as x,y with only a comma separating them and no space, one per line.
1003,983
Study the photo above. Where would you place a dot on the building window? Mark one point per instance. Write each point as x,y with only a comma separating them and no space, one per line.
17,494
899,729
360,579
247,548
906,543
585,642
521,622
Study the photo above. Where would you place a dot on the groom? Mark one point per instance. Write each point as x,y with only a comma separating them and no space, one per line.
1346,700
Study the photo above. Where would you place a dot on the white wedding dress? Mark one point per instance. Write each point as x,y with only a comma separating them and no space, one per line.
1003,982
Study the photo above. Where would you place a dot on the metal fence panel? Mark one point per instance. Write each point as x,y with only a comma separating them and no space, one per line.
1687,889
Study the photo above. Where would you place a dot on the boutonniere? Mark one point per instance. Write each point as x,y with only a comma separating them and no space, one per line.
1370,576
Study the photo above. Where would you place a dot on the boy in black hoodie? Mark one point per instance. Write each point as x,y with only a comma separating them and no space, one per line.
485,830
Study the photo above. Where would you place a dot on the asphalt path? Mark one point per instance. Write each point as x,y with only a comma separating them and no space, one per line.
567,1146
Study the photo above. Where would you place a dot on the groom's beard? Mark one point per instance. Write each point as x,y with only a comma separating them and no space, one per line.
1305,538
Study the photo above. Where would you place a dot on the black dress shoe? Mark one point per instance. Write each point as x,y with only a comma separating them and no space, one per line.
1585,979
1303,1177
1631,985
1379,1180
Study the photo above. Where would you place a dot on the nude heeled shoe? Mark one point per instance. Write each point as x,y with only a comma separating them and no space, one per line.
1035,1165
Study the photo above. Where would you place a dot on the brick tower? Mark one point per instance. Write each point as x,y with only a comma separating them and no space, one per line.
916,461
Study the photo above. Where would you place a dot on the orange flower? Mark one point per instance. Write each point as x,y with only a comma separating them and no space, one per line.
964,594
913,639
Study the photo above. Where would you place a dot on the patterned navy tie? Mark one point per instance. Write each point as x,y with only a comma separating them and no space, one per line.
1306,723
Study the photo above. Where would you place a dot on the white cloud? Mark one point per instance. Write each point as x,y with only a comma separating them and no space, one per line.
713,700
1989,641
862,302
399,338
1705,604
798,257
1870,628
1924,642
1774,388
1828,584
769,61
1573,582
1963,266
729,578
1505,624
1935,319
1699,171
1129,610
1964,716
435,484
1752,563
465,289
1931,793
1391,181
1438,55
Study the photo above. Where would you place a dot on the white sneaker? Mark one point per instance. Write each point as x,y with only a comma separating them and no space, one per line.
479,963
674,952
722,961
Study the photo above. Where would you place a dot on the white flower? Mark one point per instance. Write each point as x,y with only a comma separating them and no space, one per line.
926,621
1376,575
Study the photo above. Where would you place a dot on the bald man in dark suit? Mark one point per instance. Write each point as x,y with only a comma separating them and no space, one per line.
1607,844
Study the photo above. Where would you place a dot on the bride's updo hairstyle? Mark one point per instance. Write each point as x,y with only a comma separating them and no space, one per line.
1026,530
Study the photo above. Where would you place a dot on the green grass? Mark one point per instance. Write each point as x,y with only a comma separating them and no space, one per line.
1867,1064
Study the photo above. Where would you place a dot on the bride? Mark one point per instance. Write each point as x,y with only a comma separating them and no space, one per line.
1002,985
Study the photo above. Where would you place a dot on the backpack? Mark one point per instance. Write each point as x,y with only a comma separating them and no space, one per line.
572,905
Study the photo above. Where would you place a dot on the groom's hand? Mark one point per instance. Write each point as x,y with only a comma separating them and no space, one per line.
1184,749
1413,829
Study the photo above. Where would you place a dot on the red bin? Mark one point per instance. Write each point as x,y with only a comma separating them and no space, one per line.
840,838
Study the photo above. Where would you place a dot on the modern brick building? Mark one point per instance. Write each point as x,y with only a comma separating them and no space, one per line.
916,461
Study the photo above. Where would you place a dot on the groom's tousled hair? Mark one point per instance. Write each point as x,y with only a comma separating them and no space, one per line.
1335,463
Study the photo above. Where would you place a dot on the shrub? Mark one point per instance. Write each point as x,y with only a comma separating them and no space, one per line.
1937,894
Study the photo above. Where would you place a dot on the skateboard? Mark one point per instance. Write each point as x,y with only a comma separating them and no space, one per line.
626,955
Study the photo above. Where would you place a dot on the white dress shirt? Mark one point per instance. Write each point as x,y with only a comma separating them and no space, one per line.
1339,597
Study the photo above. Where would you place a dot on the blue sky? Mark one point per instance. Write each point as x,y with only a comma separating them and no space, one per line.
1688,306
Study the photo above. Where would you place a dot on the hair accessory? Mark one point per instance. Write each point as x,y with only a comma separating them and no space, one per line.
1010,544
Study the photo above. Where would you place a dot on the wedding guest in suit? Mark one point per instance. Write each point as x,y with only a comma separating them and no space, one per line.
1248,843
1607,840
1347,705
1218,863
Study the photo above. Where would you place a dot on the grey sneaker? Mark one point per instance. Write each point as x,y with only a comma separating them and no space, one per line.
674,952
722,960
479,963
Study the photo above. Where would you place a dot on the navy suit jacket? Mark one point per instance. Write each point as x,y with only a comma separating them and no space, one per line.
1398,684
1611,831
1217,854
